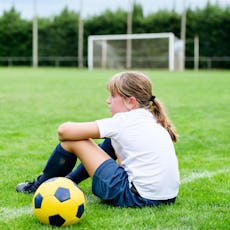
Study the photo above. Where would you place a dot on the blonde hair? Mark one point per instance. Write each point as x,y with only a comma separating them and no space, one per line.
138,85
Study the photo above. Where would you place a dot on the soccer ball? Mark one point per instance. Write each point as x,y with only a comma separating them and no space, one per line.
59,202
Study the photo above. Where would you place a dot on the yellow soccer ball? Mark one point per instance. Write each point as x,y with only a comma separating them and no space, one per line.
59,202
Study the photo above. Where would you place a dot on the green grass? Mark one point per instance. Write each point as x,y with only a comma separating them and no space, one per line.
34,102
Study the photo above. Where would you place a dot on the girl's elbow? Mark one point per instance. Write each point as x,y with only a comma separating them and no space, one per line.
61,131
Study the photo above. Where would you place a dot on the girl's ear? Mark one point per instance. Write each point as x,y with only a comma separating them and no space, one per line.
131,103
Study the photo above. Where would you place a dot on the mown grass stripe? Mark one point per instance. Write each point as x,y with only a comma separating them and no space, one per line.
10,213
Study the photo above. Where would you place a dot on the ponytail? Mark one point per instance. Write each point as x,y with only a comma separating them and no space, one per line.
158,110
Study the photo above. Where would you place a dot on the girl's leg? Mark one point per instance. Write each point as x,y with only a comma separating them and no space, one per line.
59,163
80,173
91,155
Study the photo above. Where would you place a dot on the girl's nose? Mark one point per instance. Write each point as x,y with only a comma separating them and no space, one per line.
108,100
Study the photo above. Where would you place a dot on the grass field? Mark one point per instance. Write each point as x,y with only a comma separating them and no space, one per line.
34,102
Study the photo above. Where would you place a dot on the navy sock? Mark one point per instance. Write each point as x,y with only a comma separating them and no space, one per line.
59,164
80,173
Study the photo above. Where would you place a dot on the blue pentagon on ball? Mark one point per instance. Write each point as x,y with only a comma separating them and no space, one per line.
62,194
38,201
80,210
56,220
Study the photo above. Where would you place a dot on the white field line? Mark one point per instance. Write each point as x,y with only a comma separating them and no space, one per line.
204,174
10,213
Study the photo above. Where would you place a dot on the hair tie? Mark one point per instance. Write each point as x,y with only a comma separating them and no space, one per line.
152,98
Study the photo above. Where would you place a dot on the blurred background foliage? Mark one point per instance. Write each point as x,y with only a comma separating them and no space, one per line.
58,36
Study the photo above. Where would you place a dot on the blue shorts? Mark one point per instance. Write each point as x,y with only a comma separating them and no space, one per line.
111,184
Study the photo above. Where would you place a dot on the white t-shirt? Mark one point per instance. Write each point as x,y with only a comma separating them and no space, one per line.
145,151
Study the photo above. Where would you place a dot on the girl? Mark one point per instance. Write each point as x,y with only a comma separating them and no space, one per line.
142,137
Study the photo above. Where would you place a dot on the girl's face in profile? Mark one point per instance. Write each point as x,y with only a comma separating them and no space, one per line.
117,104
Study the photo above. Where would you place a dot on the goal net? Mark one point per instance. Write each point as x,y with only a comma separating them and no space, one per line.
152,51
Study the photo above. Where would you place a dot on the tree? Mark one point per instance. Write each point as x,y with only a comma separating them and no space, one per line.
15,35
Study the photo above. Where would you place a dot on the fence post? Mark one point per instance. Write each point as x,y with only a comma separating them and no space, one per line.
196,53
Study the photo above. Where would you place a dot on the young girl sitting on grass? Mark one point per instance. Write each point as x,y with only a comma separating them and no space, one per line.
146,171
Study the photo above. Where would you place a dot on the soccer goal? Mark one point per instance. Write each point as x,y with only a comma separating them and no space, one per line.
152,51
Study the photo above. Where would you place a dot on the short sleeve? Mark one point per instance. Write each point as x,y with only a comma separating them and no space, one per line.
108,127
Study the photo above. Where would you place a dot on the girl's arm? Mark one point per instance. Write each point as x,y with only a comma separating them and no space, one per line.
75,131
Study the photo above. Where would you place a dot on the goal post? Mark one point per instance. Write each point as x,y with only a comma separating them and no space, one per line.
153,50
